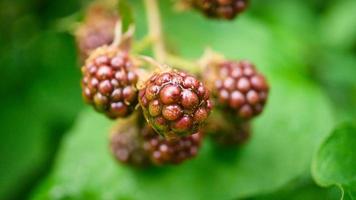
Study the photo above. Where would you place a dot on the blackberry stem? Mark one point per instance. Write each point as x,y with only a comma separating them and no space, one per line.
142,44
156,37
183,64
118,34
155,29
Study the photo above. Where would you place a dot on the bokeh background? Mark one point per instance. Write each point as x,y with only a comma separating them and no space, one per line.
40,91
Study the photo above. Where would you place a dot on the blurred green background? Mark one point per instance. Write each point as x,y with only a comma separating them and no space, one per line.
40,90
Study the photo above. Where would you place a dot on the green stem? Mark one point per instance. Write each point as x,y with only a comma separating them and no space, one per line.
155,29
183,64
142,45
156,37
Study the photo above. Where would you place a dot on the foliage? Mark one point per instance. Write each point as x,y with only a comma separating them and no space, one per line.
335,162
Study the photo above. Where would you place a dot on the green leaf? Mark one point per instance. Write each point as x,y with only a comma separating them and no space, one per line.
125,12
336,71
303,188
335,161
33,120
295,121
338,26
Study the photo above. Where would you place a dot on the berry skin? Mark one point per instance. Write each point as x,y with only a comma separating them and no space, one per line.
175,103
97,30
126,144
222,9
109,82
240,88
162,151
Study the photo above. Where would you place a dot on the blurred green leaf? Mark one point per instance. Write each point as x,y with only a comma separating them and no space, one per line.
303,188
37,110
336,71
279,151
125,12
335,162
338,27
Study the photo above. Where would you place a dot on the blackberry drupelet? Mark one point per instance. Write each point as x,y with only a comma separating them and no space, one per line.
175,103
109,82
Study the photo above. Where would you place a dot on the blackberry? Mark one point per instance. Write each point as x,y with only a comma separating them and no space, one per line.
240,88
175,103
238,136
226,130
223,9
162,151
126,143
135,143
109,82
97,30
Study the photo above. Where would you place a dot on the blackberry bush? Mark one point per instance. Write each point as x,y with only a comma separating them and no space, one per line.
168,108
109,82
175,103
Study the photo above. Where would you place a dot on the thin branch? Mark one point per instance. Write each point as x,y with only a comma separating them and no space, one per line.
155,29
142,44
183,64
118,34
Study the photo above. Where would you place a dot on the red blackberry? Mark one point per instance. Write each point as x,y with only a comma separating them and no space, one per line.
239,87
109,82
97,30
223,9
175,103
162,151
126,143
134,142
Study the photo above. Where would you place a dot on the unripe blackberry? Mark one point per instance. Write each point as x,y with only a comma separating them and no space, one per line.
97,30
240,88
175,103
226,130
162,151
223,9
236,134
109,82
126,144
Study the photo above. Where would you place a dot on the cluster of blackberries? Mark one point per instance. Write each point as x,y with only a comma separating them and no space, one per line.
175,105
163,116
